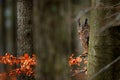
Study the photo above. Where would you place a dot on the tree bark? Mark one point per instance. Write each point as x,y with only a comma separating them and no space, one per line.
24,31
24,27
51,39
104,41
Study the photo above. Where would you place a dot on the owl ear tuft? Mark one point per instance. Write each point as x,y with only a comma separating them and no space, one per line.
79,22
86,21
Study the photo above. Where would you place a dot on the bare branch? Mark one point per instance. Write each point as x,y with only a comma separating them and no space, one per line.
105,68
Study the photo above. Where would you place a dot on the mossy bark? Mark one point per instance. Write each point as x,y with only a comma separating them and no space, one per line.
104,42
51,39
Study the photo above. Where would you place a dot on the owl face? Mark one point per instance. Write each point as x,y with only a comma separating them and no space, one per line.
82,26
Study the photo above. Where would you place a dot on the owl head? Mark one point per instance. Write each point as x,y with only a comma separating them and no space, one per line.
82,25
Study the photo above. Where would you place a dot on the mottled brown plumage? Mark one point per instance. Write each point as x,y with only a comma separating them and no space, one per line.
84,34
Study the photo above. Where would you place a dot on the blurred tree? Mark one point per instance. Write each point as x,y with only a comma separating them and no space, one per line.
10,30
2,31
24,31
10,26
104,44
51,39
24,27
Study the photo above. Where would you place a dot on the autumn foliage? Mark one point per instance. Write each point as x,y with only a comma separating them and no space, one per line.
79,61
74,61
25,62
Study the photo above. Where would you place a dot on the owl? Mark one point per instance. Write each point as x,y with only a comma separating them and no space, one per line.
83,31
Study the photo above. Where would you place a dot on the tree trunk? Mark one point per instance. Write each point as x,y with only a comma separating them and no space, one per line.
24,27
10,26
2,38
24,31
10,31
104,41
51,39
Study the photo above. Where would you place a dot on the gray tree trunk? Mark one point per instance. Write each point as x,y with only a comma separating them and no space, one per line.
24,27
104,41
24,31
51,39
